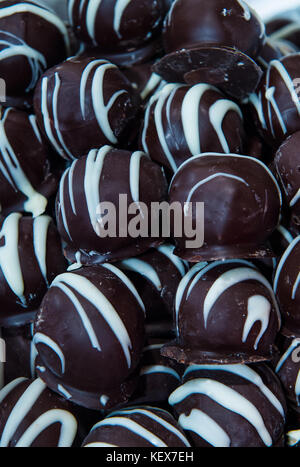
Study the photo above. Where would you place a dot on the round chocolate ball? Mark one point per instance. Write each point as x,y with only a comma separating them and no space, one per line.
217,45
30,257
287,290
108,179
242,203
231,406
158,377
225,312
156,275
277,103
33,416
115,25
184,121
287,369
32,39
287,164
26,181
89,344
137,427
82,104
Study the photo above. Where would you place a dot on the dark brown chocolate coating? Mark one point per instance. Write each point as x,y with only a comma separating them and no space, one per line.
20,352
115,26
33,416
242,203
156,275
122,173
286,287
225,23
213,299
137,427
287,369
30,258
217,46
102,106
144,80
158,377
184,121
26,178
274,50
89,344
277,102
231,406
287,163
32,39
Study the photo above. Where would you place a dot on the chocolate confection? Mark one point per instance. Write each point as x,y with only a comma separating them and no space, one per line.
30,257
33,416
20,353
284,29
231,406
242,205
287,290
158,377
277,104
32,39
116,25
89,344
287,163
137,427
156,275
216,47
102,106
184,121
26,181
101,177
287,369
212,297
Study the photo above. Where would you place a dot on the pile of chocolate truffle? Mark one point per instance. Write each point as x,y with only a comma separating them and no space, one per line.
149,340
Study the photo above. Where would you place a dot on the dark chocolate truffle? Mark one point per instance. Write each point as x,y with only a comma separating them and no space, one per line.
277,102
82,104
287,290
274,50
32,39
225,312
116,25
242,202
102,177
30,257
26,180
287,164
231,406
288,368
89,334
137,427
184,121
156,275
213,46
158,377
33,416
